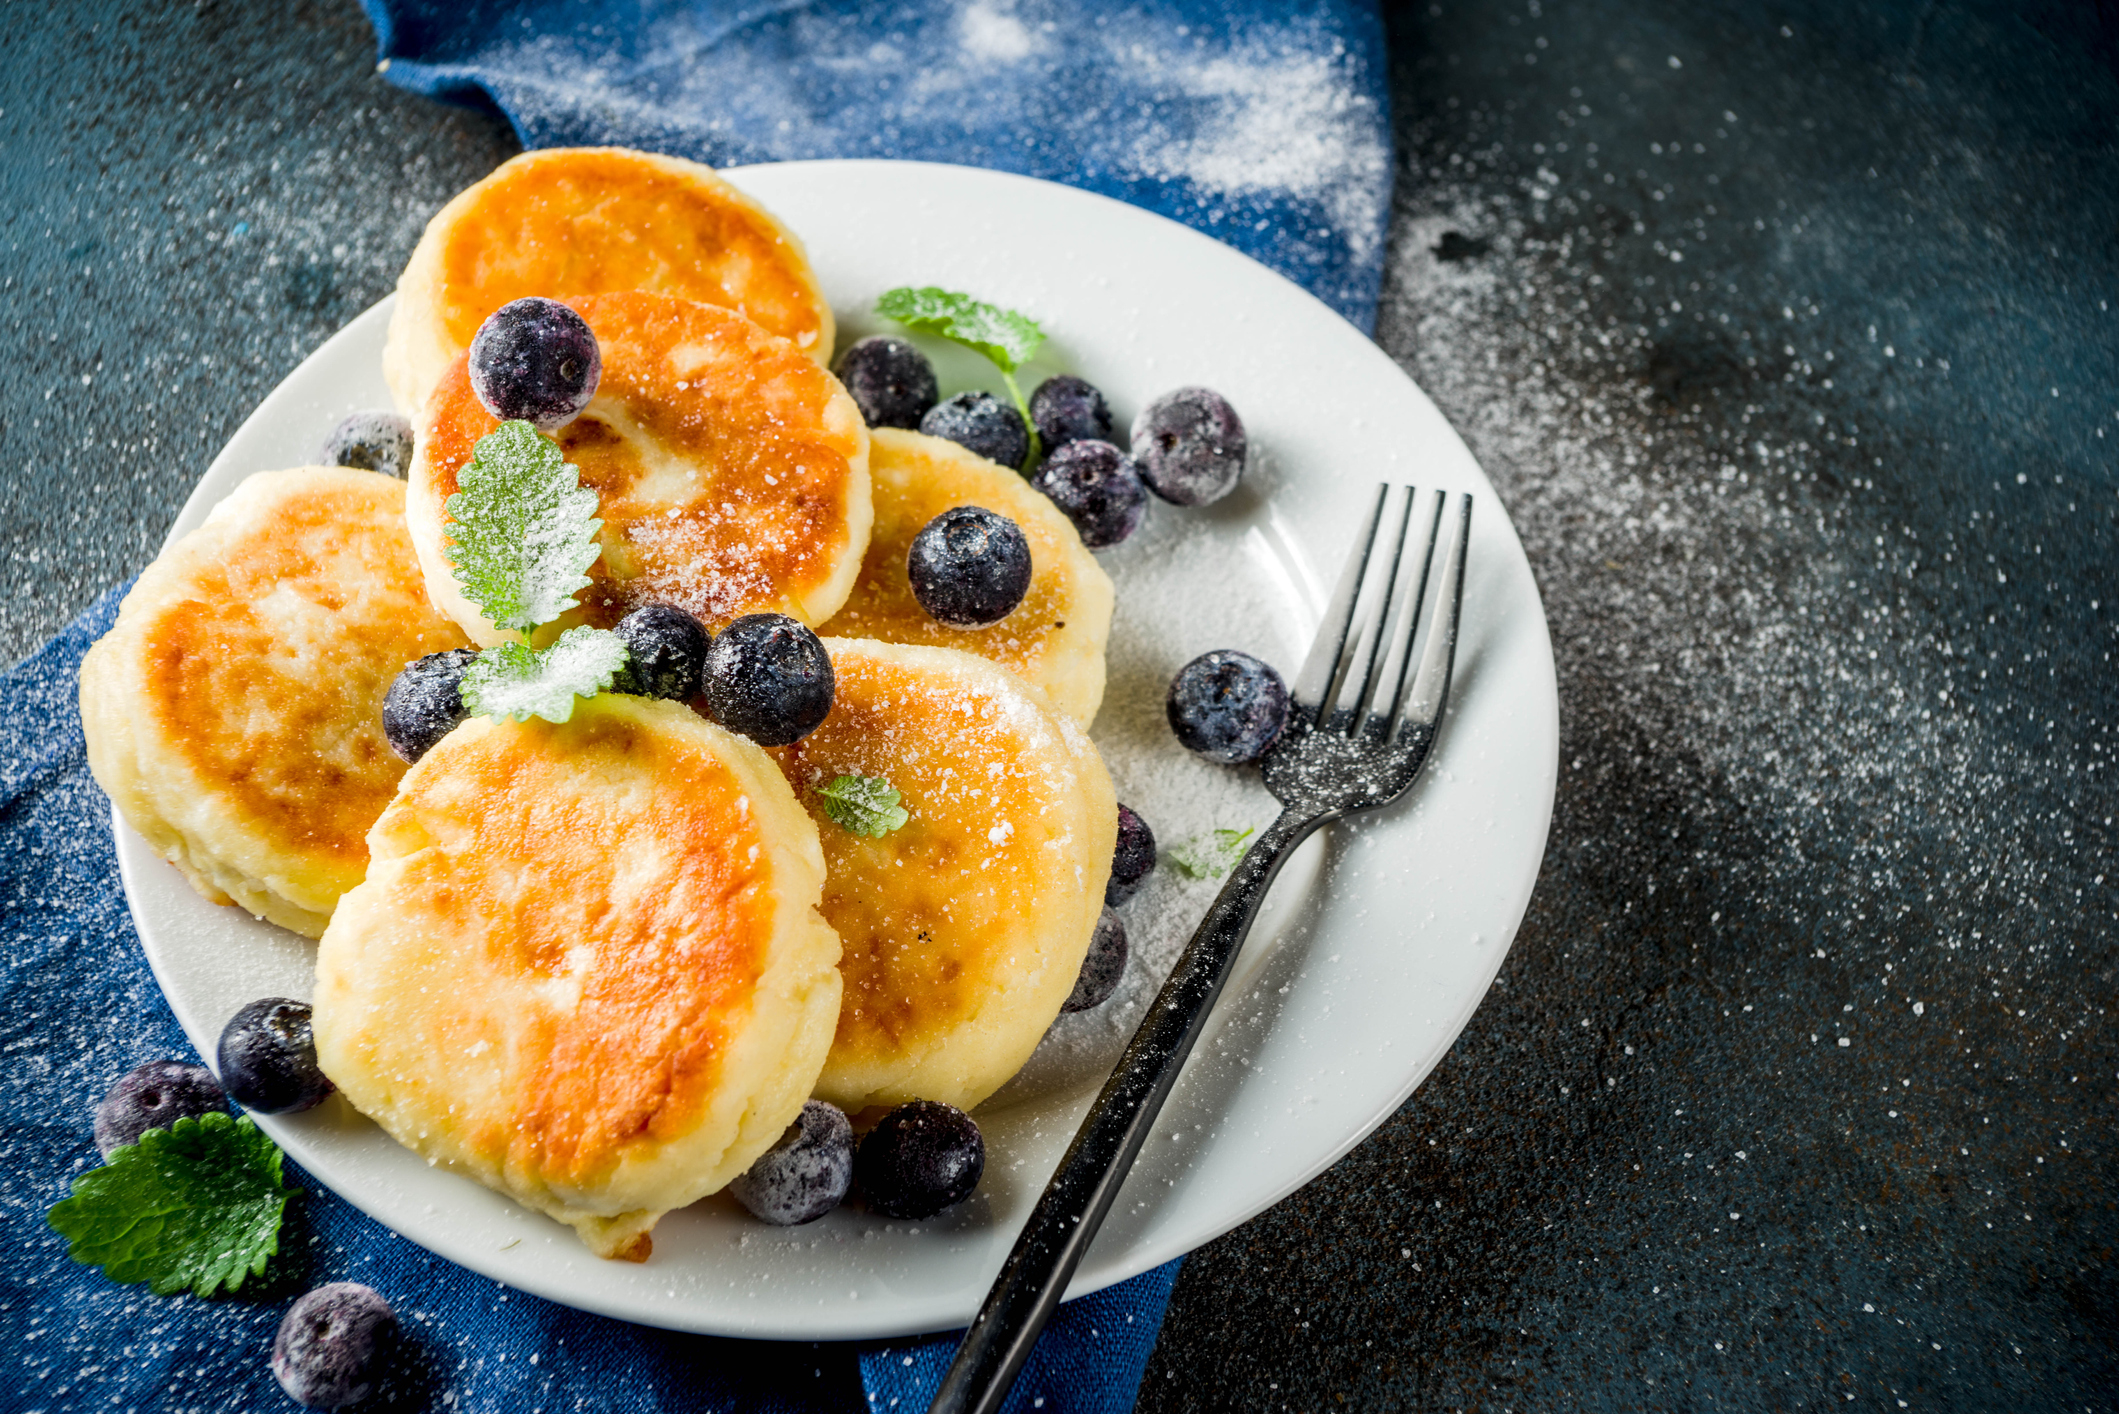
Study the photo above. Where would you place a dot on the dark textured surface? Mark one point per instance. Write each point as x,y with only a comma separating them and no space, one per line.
1821,761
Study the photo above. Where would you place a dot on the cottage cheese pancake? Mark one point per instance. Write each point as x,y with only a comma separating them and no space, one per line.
590,221
586,967
1056,636
965,928
731,471
234,711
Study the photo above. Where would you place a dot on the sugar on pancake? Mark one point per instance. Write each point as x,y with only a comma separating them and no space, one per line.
731,471
234,711
965,928
587,966
1056,636
589,221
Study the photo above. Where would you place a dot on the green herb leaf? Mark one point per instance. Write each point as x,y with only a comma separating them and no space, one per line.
864,805
1210,856
523,528
514,680
196,1205
1008,338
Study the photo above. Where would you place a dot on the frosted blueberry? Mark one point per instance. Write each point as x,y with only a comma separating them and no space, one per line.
969,567
1227,706
805,1174
425,702
267,1058
665,653
1190,445
535,360
1098,487
155,1096
923,1157
983,423
768,677
1068,409
891,381
1102,966
1132,859
332,1344
371,441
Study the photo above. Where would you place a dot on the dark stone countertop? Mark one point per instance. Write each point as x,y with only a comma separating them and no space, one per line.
1785,333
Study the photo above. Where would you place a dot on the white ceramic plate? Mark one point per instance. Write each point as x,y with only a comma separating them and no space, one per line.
1378,942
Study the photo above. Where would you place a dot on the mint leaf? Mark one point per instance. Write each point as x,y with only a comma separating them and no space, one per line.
196,1205
523,528
1008,338
1210,856
515,680
864,805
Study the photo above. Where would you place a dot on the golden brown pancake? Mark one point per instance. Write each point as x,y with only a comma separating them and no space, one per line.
586,967
592,221
234,712
1056,636
731,472
965,928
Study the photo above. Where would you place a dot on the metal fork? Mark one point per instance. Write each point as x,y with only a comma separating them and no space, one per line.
1356,737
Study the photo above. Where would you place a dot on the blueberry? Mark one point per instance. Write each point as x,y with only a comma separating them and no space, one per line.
332,1344
1227,706
425,702
1067,409
983,423
1132,859
534,360
891,381
155,1096
1190,446
371,441
969,567
768,678
805,1174
922,1158
666,653
267,1058
1102,966
1098,487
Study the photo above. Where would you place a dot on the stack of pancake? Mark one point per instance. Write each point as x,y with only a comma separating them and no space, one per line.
599,965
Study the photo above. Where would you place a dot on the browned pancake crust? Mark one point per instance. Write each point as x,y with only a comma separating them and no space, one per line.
1056,636
731,472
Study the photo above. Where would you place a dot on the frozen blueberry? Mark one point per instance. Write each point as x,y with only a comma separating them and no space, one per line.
332,1344
1227,706
1102,967
983,423
805,1174
155,1096
267,1058
768,678
922,1158
1190,446
371,441
665,653
1132,860
1068,409
1099,488
969,567
534,360
425,702
891,381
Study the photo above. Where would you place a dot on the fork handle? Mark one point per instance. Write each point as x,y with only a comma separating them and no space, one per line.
1087,1181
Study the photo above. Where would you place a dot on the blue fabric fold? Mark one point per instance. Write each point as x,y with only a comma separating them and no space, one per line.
1263,124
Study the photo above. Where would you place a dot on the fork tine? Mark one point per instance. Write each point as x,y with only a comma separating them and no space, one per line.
1430,686
1318,669
1356,678
1390,676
